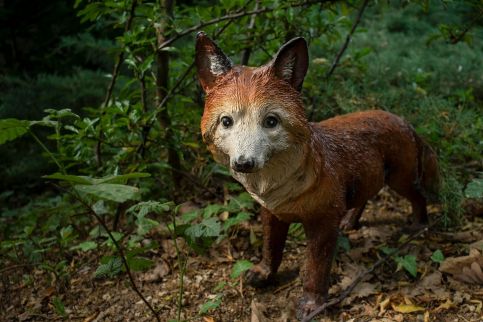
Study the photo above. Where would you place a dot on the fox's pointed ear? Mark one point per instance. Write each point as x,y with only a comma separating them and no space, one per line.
291,62
210,61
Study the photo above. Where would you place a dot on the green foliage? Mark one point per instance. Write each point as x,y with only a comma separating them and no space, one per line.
408,262
59,306
109,191
210,305
10,129
110,267
240,267
437,256
474,189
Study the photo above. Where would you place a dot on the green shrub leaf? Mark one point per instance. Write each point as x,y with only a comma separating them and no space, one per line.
110,191
437,256
408,262
240,267
10,129
474,189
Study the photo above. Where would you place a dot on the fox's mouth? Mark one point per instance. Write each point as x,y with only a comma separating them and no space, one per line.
245,171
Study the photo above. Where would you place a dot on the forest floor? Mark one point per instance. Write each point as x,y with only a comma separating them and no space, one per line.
447,291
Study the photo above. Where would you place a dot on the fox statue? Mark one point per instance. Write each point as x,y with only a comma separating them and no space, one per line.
316,174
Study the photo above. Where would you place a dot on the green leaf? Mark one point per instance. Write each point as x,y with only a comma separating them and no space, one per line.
240,267
110,191
110,269
66,232
344,243
121,178
70,178
437,256
194,231
210,305
212,210
138,264
144,225
10,129
474,189
408,262
239,218
85,246
212,227
59,306
388,250
146,207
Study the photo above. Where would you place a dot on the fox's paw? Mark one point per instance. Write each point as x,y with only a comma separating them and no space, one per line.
307,305
259,275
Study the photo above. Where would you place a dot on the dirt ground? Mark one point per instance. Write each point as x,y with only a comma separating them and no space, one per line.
450,291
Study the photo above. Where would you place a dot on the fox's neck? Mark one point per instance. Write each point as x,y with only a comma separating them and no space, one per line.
286,176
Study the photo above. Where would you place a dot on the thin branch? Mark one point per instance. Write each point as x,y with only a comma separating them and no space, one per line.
371,269
119,250
454,39
234,16
110,89
347,39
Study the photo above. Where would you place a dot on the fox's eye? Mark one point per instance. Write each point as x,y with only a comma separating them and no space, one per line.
270,122
226,121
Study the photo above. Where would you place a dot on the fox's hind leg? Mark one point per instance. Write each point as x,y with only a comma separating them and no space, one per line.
410,189
274,236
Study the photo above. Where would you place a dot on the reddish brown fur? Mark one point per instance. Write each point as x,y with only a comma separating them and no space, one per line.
347,160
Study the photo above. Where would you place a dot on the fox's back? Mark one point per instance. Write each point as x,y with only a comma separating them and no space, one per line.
362,148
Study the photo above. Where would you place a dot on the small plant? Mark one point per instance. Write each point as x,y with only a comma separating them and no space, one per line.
407,262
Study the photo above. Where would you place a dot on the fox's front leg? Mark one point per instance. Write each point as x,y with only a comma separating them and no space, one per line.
321,245
274,237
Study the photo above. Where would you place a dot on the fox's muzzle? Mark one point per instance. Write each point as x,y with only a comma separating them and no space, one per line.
242,164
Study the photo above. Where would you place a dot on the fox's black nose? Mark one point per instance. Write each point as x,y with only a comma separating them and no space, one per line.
243,165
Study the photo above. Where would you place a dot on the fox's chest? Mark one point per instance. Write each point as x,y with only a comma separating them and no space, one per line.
279,191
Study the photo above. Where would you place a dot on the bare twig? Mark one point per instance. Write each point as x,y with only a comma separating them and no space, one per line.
115,72
347,39
371,269
234,16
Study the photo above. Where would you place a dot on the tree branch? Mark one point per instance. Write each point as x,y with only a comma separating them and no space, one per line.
454,39
347,39
234,16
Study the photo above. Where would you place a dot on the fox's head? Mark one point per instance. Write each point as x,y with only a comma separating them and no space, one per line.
252,113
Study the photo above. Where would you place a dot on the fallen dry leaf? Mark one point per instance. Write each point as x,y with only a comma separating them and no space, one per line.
426,316
444,306
407,308
383,305
257,312
479,304
465,268
208,319
162,269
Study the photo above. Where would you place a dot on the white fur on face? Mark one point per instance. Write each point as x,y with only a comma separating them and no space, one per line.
248,138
